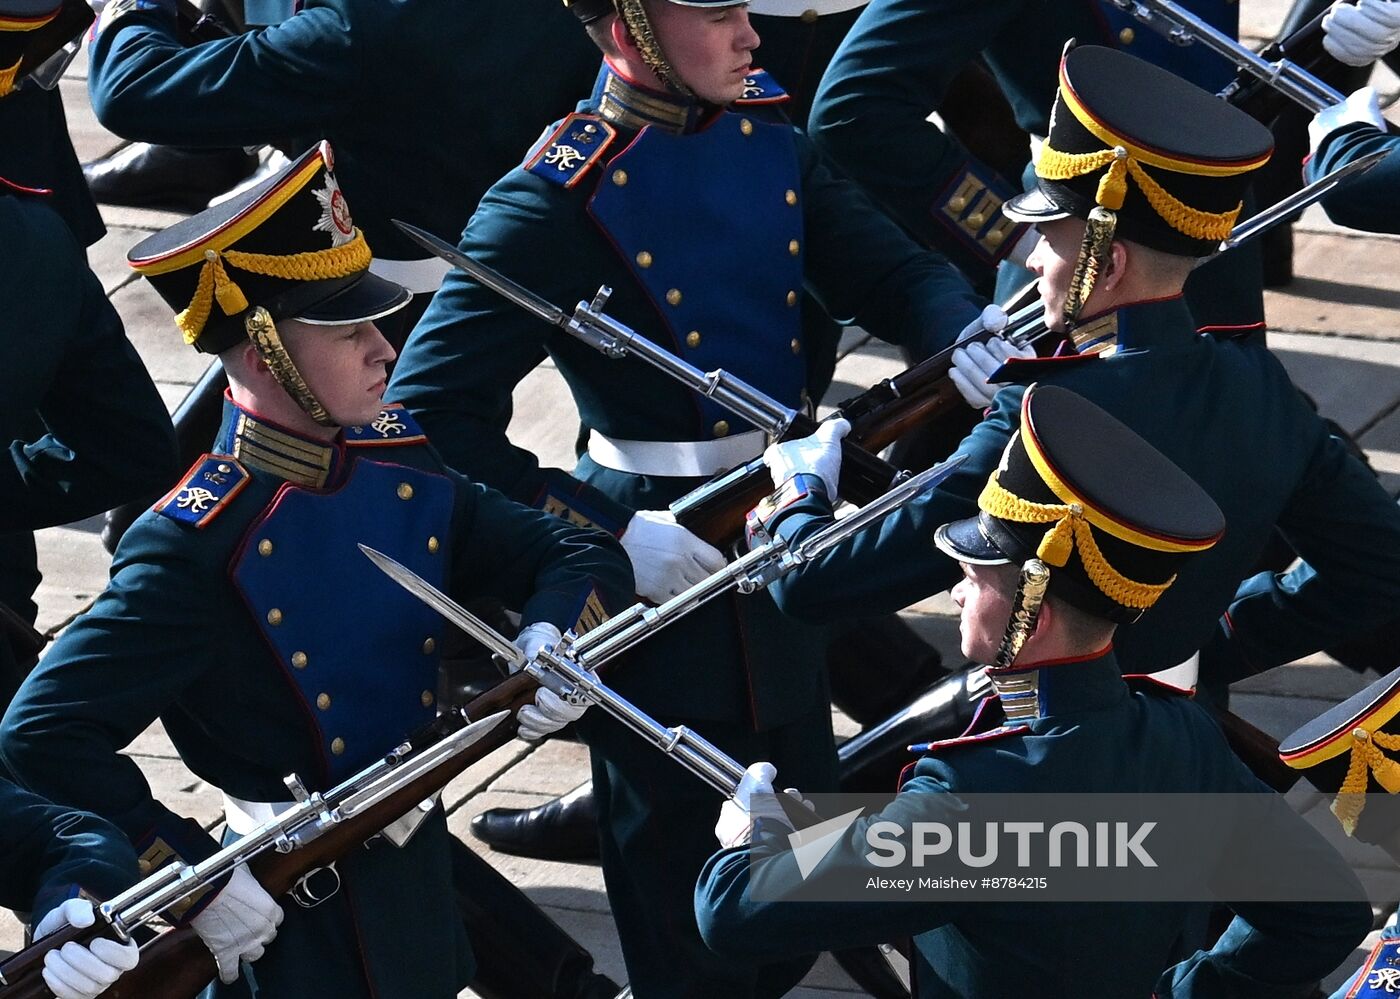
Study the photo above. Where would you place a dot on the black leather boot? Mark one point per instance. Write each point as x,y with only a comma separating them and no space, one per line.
145,175
563,829
521,953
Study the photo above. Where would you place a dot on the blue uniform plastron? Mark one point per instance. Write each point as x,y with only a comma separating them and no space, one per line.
205,490
564,157
394,427
306,584
737,182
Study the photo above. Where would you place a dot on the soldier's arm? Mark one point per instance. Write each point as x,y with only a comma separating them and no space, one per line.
262,86
65,356
865,271
1366,202
148,641
871,114
50,853
1346,528
892,564
539,564
465,357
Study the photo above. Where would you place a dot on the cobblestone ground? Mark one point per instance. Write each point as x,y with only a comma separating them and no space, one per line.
1335,329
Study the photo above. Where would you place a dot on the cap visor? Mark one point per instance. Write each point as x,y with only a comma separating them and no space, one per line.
369,298
964,540
1034,206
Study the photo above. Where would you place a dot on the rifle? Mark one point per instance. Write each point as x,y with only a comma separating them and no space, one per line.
296,851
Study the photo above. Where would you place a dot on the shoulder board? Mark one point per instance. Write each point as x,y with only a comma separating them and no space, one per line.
1021,369
394,427
205,491
565,156
760,88
1376,976
1148,684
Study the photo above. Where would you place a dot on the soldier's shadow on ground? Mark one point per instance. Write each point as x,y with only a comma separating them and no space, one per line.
1343,293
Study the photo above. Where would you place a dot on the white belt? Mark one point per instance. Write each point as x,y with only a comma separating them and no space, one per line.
796,8
422,277
1182,675
675,459
242,817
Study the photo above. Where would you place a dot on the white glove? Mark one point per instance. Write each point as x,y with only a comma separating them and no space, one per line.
550,712
975,363
1020,254
1359,34
819,455
1361,107
74,971
238,924
666,558
754,799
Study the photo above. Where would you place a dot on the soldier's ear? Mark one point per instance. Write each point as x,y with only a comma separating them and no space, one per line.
1115,267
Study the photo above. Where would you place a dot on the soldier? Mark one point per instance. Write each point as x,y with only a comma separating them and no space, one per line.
1223,409
56,861
1063,720
681,187
241,613
870,115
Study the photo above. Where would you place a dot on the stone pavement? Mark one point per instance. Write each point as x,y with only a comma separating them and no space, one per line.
1336,330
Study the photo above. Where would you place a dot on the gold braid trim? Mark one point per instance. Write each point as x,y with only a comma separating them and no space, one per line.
1366,758
7,78
215,284
268,343
1070,528
1113,188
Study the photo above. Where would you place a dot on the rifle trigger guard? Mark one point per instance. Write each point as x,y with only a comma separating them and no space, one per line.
308,895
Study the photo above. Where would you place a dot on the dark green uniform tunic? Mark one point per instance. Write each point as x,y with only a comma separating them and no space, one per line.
1369,202
1095,733
708,237
82,424
242,614
1226,412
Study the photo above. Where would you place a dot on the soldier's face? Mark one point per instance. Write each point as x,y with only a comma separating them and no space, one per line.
1053,261
984,597
710,48
346,367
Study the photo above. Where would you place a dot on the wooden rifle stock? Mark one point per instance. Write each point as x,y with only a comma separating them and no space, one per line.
177,965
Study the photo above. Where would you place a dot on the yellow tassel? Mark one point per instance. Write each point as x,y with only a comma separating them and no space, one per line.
1347,809
1058,542
1113,186
7,78
229,296
1387,772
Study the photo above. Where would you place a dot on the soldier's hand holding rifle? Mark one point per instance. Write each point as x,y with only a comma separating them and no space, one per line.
1360,108
1358,34
666,558
550,712
75,971
240,922
754,799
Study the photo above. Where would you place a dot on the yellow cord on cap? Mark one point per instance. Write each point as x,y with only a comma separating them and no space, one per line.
1070,527
1366,758
7,78
215,285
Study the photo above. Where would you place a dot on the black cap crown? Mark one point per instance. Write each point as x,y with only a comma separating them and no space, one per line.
288,245
1171,160
33,30
1110,514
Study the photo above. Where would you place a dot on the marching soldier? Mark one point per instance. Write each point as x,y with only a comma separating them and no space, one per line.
1064,719
1143,173
870,116
241,613
681,186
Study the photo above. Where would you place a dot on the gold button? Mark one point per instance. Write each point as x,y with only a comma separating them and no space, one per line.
692,339
427,698
796,345
620,178
957,204
405,491
429,646
721,428
790,197
792,298
225,469
674,296
299,660
433,546
995,237
323,701
1126,36
264,547
274,617
809,16
644,259
1361,734
976,219
794,247
746,126
338,746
